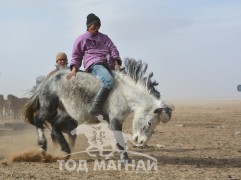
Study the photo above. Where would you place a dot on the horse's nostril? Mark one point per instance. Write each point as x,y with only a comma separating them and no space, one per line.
168,111
141,142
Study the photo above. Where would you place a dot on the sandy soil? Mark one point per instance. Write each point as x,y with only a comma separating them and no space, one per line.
202,141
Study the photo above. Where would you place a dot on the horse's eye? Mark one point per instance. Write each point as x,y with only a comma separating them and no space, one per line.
149,123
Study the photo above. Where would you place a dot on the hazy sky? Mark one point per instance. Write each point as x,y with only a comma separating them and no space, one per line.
192,46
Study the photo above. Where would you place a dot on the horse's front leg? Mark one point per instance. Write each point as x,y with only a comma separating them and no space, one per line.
116,127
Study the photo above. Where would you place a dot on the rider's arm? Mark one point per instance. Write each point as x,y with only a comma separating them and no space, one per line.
77,53
114,53
77,57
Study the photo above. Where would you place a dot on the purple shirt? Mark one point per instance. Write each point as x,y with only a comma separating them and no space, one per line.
93,49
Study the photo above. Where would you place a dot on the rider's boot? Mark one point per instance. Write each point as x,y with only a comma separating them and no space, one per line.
99,100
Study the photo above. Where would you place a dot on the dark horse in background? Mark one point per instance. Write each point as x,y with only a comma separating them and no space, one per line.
1,105
133,91
16,105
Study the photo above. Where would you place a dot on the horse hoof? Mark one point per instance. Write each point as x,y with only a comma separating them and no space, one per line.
67,156
42,145
124,158
42,151
125,161
66,150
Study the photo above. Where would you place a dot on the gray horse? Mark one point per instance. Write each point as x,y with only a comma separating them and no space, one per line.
133,91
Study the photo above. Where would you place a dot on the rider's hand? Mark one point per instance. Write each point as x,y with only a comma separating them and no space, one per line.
72,73
117,67
117,64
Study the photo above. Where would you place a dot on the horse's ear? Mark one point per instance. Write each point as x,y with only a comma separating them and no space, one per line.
158,111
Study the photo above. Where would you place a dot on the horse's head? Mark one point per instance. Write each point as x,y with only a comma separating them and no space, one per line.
144,122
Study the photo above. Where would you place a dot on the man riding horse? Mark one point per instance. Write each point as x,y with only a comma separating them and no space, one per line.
100,56
84,96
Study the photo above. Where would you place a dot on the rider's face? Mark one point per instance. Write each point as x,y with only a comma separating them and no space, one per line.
62,62
94,28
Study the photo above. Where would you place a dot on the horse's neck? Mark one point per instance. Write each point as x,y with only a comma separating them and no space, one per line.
134,95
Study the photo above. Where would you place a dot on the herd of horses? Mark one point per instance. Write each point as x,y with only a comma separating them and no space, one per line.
12,106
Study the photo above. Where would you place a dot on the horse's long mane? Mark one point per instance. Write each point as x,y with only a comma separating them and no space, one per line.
137,70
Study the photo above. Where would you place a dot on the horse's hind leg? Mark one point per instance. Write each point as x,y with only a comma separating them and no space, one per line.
64,123
48,109
38,121
72,140
72,124
53,137
61,139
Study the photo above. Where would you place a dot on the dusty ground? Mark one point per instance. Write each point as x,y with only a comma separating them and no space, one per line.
202,141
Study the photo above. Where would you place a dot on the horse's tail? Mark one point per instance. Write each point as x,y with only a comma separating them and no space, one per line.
33,105
30,109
